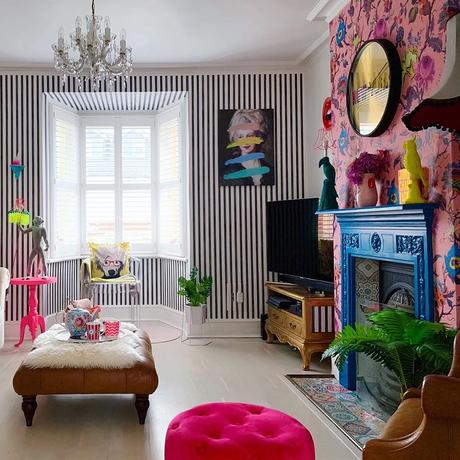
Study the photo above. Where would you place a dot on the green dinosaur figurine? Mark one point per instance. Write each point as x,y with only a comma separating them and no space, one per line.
329,195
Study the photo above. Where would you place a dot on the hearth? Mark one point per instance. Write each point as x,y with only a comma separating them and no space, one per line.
397,242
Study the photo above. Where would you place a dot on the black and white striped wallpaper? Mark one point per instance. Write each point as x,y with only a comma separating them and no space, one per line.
158,285
227,224
101,102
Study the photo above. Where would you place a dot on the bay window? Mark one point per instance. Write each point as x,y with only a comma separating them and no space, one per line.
118,178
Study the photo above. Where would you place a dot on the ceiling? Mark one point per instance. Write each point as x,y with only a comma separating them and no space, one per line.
169,32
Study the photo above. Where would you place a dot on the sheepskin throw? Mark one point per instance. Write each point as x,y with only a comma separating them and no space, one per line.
118,354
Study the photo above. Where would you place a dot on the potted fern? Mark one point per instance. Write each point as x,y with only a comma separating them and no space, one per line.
410,347
196,290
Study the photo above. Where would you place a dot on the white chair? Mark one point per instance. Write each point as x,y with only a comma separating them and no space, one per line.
131,281
4,283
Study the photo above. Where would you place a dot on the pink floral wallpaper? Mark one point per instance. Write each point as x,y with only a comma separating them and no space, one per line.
418,29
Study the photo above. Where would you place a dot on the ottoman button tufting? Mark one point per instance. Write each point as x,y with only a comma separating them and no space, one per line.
231,435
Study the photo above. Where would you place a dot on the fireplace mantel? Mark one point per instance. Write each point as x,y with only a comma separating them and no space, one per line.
401,234
412,214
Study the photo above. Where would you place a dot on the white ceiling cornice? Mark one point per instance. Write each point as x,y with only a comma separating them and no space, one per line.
326,10
153,69
323,11
313,47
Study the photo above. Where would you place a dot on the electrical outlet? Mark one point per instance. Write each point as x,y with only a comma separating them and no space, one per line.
239,297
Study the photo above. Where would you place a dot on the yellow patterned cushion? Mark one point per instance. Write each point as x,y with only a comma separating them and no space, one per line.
109,261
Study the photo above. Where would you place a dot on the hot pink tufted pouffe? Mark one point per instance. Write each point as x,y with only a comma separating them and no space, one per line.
236,431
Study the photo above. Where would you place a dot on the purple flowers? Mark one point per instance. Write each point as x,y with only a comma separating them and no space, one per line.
425,71
342,85
367,163
400,35
380,30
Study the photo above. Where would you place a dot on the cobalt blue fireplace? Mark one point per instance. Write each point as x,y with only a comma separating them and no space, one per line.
388,234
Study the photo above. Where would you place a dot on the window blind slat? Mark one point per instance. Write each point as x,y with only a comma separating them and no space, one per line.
170,212
137,216
100,216
100,154
136,154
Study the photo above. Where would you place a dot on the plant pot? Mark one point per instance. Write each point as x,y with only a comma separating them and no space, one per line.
367,191
195,316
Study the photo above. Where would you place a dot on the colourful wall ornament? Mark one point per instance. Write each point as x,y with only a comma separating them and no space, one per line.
17,167
18,215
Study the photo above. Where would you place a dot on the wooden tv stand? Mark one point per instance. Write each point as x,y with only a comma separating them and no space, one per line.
310,333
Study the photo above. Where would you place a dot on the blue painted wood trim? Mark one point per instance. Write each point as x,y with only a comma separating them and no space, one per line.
388,233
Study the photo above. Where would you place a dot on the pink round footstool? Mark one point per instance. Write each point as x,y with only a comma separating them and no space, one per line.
236,431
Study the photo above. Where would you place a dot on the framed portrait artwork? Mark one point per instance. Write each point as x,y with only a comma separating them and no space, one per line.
246,140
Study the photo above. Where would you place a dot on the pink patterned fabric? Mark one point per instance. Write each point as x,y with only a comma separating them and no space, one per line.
418,29
236,431
112,328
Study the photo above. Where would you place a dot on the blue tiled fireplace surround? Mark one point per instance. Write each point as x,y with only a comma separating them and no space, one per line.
401,234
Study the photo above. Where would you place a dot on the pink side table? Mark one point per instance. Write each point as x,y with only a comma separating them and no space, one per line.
32,319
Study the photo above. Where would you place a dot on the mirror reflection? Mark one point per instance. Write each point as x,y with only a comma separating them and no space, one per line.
369,88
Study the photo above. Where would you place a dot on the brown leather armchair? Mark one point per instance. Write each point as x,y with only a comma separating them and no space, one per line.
426,425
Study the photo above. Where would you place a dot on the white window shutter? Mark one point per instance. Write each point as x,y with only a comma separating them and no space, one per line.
171,207
65,194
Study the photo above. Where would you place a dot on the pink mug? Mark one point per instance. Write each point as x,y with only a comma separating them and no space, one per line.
112,327
93,330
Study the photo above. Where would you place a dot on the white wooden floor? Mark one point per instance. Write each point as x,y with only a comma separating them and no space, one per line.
106,427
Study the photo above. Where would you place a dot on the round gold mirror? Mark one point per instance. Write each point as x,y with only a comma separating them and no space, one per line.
374,87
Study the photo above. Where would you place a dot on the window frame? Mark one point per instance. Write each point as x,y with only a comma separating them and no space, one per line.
124,118
117,122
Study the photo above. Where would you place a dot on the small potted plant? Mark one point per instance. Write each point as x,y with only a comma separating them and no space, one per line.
196,291
363,172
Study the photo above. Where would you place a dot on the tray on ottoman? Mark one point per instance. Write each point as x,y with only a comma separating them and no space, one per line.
140,379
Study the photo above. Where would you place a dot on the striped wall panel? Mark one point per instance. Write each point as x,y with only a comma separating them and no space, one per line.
227,223
55,297
139,102
169,271
159,285
323,318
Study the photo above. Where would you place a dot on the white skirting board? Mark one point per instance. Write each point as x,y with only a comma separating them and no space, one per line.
212,328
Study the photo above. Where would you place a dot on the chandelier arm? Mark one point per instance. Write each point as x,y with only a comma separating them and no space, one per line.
72,67
118,66
82,49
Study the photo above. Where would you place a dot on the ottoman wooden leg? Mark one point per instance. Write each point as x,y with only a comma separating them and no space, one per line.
142,406
29,404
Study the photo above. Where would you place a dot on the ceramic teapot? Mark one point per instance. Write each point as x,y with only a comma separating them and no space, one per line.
77,314
76,320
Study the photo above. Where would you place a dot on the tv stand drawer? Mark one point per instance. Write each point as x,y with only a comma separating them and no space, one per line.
276,316
294,325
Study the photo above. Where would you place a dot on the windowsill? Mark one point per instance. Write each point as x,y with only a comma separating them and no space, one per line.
139,255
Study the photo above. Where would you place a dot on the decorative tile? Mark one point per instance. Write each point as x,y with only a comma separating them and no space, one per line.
343,407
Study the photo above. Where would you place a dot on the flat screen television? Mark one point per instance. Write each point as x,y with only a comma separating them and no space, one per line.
300,243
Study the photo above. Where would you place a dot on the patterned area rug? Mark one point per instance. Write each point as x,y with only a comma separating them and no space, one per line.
343,407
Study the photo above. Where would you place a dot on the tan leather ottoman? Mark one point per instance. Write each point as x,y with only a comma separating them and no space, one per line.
140,380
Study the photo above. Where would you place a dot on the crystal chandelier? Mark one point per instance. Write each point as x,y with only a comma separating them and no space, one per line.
94,55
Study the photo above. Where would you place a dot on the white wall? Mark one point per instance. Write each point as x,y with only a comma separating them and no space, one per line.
317,87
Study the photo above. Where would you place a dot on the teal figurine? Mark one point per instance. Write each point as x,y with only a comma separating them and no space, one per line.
329,195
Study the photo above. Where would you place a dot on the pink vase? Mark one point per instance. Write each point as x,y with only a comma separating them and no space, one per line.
367,191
